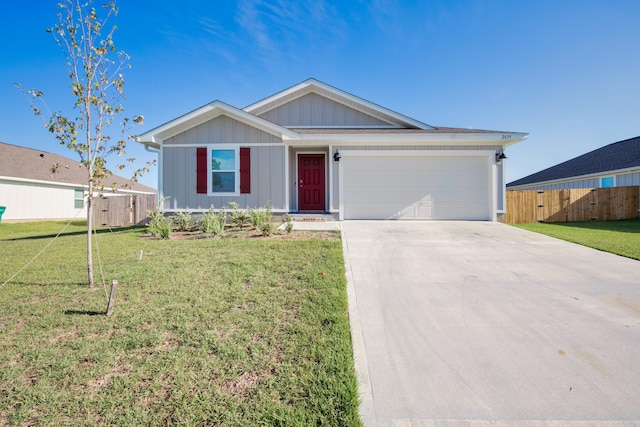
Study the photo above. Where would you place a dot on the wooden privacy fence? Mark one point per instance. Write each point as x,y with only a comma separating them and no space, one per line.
574,204
122,211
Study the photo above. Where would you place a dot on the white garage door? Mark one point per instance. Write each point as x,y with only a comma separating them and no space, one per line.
416,187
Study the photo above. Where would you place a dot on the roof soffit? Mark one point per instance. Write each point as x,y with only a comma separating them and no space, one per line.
435,138
337,95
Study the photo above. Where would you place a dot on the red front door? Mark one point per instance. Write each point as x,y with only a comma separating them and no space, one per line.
311,195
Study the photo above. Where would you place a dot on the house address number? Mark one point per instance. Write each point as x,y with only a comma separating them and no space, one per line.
506,136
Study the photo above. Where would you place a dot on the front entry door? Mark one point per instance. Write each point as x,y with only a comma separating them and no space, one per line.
311,180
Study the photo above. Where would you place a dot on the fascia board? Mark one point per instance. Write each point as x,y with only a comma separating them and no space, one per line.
42,182
371,105
403,139
204,114
149,136
309,85
67,185
282,94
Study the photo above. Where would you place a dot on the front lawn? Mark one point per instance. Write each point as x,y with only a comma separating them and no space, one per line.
617,237
244,331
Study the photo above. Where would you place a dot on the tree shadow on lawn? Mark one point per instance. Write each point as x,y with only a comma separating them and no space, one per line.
84,313
65,284
622,226
78,233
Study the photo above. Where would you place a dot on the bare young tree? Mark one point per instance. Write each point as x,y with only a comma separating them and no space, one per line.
95,69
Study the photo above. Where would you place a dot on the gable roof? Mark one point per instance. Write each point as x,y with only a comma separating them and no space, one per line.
206,113
402,128
323,89
617,156
27,164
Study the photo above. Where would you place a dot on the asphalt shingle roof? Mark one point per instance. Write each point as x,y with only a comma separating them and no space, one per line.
27,163
619,155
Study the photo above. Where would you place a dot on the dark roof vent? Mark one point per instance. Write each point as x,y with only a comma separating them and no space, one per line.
42,155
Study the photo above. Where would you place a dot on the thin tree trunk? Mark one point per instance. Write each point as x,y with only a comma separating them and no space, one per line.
89,228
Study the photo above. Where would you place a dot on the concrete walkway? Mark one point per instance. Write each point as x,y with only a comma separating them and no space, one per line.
479,323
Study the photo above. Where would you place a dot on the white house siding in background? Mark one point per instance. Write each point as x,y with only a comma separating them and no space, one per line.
38,200
38,185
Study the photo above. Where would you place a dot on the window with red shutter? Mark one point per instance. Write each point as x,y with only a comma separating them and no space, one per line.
224,175
245,170
201,170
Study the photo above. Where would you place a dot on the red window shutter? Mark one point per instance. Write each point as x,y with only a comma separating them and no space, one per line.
245,170
201,170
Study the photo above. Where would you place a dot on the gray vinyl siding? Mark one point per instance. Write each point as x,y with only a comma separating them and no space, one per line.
222,130
316,110
179,166
581,183
628,179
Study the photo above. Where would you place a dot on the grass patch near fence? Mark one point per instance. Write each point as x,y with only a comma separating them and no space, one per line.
205,332
617,237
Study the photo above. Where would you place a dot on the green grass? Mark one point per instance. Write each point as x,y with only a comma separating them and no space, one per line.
617,237
243,331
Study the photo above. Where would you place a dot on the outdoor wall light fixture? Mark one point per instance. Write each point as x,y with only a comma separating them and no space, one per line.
500,157
337,156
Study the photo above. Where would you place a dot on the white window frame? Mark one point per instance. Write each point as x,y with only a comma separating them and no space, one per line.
210,171
76,199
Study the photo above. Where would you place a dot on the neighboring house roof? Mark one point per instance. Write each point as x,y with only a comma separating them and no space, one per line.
613,157
21,163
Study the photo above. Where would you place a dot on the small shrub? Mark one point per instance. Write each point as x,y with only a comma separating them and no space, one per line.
212,222
182,220
288,223
159,225
266,228
258,217
239,217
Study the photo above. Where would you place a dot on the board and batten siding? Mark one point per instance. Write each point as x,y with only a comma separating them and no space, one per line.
179,166
316,110
628,179
222,130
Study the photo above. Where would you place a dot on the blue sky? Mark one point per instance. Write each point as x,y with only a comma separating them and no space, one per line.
565,71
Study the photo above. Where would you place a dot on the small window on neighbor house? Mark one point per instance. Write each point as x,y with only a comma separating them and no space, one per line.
78,199
607,182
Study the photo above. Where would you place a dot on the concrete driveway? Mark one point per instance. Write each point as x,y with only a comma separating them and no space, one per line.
479,323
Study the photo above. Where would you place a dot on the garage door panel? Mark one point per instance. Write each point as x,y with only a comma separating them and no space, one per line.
416,187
